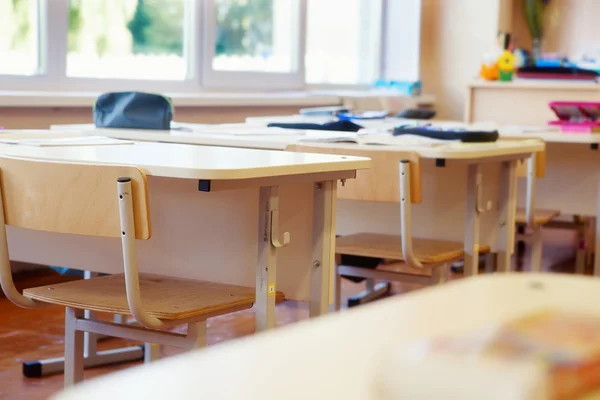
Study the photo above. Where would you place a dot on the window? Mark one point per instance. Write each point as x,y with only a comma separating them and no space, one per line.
188,45
255,35
344,49
126,39
19,25
253,44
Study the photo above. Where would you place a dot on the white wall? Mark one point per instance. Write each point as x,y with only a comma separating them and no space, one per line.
454,36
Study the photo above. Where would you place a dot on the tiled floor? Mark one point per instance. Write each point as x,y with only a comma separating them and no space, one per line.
35,334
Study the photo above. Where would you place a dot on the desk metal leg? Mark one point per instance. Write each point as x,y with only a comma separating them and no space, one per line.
338,284
506,217
266,266
471,264
323,245
597,238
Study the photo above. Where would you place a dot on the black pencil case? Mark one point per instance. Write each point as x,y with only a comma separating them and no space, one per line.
470,136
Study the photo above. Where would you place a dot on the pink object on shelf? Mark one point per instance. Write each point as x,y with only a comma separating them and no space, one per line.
576,116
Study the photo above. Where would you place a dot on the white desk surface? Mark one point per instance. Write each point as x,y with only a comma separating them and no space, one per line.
345,355
389,123
280,140
271,142
456,151
194,162
557,137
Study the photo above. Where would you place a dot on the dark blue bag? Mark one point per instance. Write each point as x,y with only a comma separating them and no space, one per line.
133,110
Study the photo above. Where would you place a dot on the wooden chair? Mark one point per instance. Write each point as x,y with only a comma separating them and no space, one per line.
394,176
104,201
529,218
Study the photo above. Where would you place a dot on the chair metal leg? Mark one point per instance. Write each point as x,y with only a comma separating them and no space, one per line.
73,347
580,250
439,275
490,262
536,250
338,288
521,246
151,352
580,256
381,289
92,357
201,338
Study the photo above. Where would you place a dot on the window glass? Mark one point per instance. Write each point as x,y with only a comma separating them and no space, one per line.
133,39
256,35
343,39
19,34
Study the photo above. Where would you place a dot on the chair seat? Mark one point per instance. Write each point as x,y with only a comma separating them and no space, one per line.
541,217
427,251
163,297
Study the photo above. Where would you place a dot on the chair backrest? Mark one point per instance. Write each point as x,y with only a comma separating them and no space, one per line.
381,181
73,198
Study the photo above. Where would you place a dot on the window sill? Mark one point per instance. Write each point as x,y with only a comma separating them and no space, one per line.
214,99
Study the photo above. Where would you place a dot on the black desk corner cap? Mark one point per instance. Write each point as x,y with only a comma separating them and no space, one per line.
203,185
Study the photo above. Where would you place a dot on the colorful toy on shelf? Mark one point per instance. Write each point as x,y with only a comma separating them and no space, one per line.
489,67
500,63
506,66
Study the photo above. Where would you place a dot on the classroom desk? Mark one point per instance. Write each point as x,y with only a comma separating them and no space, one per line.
573,165
223,235
348,355
450,210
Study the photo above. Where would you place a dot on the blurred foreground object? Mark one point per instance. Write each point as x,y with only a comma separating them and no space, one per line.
355,354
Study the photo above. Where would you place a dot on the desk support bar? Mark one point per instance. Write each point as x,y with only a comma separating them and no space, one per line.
323,248
405,216
274,207
266,266
530,203
508,206
472,223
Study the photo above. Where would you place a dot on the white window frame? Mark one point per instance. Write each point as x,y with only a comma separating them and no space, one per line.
212,78
199,49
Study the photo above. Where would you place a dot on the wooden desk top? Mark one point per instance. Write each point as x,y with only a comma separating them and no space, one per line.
194,162
344,355
457,151
278,140
556,137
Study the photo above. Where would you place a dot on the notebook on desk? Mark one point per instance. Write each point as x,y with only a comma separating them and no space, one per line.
238,131
381,139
